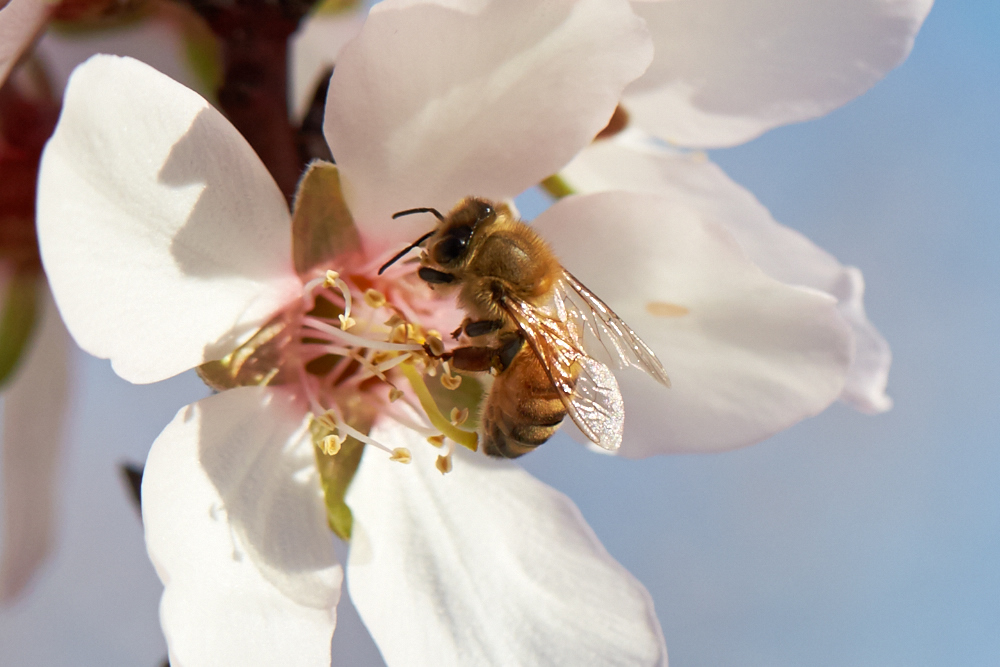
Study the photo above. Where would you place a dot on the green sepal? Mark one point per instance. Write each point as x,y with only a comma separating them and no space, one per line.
20,310
322,226
469,395
336,473
253,363
331,7
201,47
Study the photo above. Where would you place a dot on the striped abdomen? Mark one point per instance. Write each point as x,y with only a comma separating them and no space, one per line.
523,409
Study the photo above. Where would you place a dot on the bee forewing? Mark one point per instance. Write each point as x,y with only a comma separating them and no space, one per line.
587,388
596,405
615,336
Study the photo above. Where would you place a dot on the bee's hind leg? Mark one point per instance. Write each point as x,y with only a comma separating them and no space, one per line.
479,359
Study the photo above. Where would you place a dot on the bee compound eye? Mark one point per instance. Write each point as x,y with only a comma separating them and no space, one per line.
449,249
452,246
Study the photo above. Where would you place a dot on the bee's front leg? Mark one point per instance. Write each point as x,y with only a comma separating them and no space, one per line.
476,328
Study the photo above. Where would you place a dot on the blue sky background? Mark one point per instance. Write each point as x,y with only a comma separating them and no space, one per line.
847,541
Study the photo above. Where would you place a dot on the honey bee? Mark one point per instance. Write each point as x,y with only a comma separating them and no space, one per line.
537,322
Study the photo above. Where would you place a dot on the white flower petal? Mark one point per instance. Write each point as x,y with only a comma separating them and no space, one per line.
747,355
314,49
33,416
432,104
727,70
868,376
235,526
164,238
691,180
20,22
486,566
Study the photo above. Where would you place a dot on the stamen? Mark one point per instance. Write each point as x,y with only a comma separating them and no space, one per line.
464,438
449,381
315,350
401,454
392,363
346,429
374,298
333,279
394,394
436,345
327,420
436,440
359,341
398,334
307,291
459,416
331,444
443,463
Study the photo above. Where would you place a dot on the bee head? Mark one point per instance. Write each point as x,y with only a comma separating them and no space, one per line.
453,239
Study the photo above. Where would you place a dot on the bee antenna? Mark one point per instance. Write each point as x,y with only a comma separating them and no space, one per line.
409,247
411,211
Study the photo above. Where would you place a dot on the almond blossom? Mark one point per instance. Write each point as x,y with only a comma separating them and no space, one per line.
169,247
723,73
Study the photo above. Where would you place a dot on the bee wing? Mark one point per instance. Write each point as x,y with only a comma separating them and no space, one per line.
586,387
623,344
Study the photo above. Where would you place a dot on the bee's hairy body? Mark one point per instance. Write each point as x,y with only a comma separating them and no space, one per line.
522,410
493,258
528,319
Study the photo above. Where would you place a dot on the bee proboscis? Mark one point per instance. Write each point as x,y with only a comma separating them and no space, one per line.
536,322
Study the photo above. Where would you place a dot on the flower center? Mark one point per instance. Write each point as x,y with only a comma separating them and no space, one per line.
362,354
354,350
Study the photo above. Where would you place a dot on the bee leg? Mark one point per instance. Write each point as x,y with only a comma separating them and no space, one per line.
434,277
474,359
482,327
479,359
509,350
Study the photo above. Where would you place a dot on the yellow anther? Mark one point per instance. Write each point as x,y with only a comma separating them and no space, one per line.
459,416
443,464
401,454
394,394
374,298
327,420
451,381
436,440
331,278
436,345
433,412
394,321
331,444
398,334
346,322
